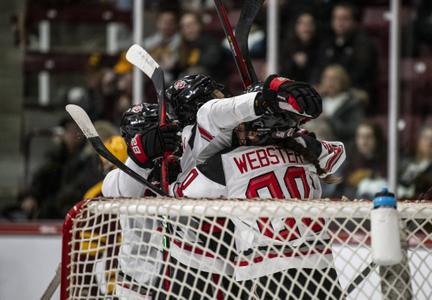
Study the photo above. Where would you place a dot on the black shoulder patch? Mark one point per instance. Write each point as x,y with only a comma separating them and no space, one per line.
192,137
212,168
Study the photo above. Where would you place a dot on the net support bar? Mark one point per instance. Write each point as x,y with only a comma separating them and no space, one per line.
393,149
138,79
273,36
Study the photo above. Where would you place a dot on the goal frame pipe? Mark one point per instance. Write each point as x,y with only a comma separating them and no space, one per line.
261,208
66,246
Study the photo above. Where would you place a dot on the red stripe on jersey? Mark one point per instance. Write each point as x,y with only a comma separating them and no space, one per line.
305,253
207,136
219,293
194,249
167,283
332,161
277,82
213,228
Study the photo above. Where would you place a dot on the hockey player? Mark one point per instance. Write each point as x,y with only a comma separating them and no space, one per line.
140,255
268,167
139,128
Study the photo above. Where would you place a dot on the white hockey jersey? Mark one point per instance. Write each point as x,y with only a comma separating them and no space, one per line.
212,132
267,172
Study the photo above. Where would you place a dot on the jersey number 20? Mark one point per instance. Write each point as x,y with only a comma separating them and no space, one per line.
270,182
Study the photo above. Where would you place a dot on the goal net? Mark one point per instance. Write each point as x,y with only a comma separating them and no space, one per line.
244,249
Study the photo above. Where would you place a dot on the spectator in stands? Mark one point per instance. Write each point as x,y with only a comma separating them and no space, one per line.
342,108
300,48
117,146
62,179
108,92
199,52
416,174
199,5
417,35
99,85
79,175
164,44
123,71
350,47
365,171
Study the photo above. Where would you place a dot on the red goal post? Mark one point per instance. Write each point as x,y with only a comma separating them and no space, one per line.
151,248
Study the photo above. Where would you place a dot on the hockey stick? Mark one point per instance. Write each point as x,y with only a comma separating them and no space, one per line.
53,285
85,124
235,50
248,14
359,278
141,59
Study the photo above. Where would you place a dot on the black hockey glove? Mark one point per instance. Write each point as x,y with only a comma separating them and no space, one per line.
284,95
146,147
174,169
310,140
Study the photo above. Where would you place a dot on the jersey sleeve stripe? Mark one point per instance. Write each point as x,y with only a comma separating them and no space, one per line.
205,134
333,160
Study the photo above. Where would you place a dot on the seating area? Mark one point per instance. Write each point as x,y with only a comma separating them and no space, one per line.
72,52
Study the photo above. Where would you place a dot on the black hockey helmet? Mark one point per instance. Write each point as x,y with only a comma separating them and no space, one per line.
137,119
271,127
187,95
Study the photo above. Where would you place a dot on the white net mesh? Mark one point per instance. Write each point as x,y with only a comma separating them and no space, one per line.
207,249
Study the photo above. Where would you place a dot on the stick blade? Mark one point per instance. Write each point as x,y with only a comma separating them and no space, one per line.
82,119
140,58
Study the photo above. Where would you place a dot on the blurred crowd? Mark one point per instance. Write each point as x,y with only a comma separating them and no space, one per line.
321,42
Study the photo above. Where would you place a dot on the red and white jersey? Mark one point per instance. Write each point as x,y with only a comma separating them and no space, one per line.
231,172
212,132
267,172
119,184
